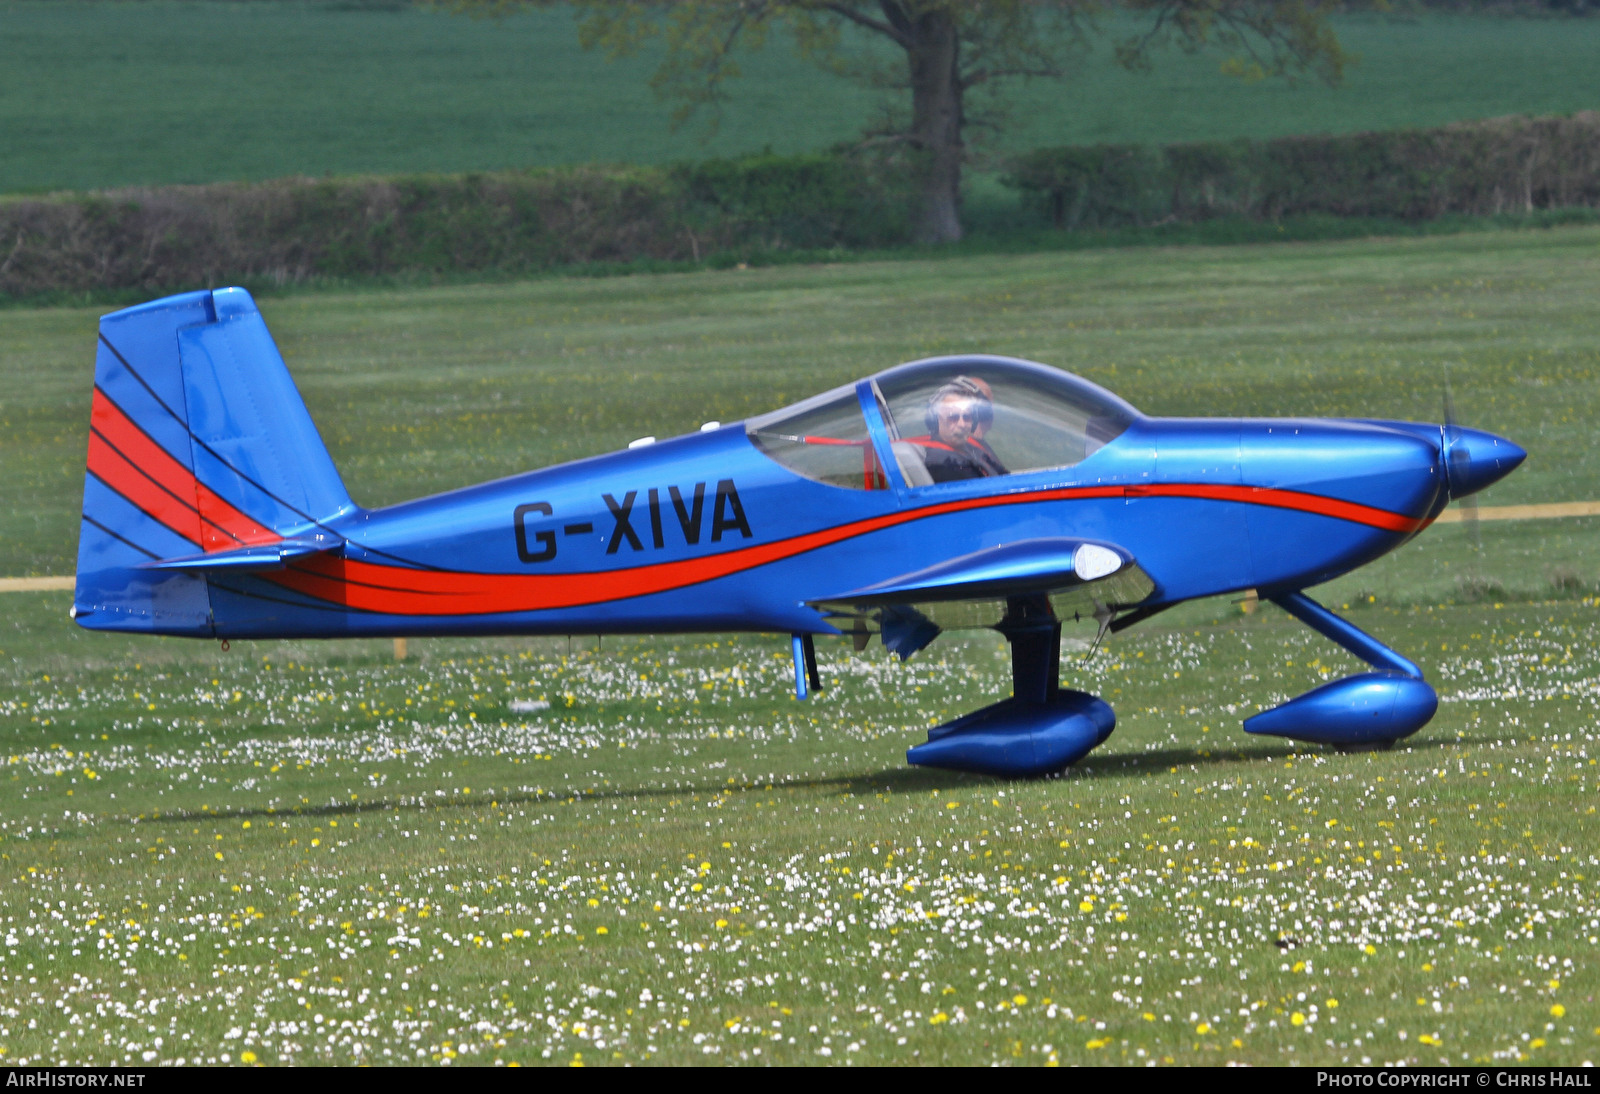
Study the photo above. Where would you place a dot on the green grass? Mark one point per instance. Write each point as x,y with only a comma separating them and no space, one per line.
98,93
312,853
233,852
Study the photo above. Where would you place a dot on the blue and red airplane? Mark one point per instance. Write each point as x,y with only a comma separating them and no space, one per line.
947,493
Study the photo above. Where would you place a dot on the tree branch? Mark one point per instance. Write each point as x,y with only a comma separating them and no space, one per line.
1155,28
845,11
895,12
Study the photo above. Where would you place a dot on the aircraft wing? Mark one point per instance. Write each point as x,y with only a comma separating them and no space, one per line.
251,559
1079,578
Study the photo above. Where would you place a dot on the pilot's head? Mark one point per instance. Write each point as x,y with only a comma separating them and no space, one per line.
961,409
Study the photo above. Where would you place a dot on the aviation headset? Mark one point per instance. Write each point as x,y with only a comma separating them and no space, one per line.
967,388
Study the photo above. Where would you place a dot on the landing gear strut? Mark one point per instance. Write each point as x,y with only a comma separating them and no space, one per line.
1042,728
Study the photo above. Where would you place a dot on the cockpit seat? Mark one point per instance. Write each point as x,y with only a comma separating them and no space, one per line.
913,465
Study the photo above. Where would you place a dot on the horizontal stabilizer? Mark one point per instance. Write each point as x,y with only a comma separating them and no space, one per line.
1079,577
254,559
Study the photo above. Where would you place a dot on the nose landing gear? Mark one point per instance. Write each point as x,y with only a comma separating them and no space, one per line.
1369,710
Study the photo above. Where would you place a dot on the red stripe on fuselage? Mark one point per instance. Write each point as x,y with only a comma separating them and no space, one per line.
217,523
399,591
1283,499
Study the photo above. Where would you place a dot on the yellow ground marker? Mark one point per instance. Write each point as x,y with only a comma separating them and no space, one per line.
1449,516
1525,512
35,584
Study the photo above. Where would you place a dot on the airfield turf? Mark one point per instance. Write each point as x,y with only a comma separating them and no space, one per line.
310,852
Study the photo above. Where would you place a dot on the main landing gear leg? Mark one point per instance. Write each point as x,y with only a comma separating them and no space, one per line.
1368,711
1041,728
805,667
1035,664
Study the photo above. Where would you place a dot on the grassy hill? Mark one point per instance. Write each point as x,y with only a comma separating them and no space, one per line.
98,93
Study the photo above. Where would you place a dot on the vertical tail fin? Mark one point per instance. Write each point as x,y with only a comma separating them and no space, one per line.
199,443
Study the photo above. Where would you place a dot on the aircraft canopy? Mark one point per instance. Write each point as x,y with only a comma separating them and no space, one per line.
945,419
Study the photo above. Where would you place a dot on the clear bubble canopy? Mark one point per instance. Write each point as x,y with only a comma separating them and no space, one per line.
946,419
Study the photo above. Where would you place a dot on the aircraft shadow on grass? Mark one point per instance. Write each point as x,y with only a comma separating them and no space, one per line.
893,780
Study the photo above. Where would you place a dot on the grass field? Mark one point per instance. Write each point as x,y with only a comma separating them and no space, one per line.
300,852
98,93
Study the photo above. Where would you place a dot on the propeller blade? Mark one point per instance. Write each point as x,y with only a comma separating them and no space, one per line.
1469,517
1455,455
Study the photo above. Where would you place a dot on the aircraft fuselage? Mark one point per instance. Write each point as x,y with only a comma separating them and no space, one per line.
705,533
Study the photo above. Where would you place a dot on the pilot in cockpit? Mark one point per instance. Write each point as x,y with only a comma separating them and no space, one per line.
958,416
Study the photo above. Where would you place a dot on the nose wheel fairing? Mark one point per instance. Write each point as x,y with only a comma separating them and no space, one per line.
1363,711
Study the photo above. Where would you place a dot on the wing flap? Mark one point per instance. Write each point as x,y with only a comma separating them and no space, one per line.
1080,578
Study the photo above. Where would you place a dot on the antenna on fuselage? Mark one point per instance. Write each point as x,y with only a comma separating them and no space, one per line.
1103,616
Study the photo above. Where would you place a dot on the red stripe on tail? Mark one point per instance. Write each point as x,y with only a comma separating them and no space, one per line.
220,527
143,492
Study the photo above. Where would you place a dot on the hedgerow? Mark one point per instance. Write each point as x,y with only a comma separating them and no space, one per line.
1503,165
291,230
